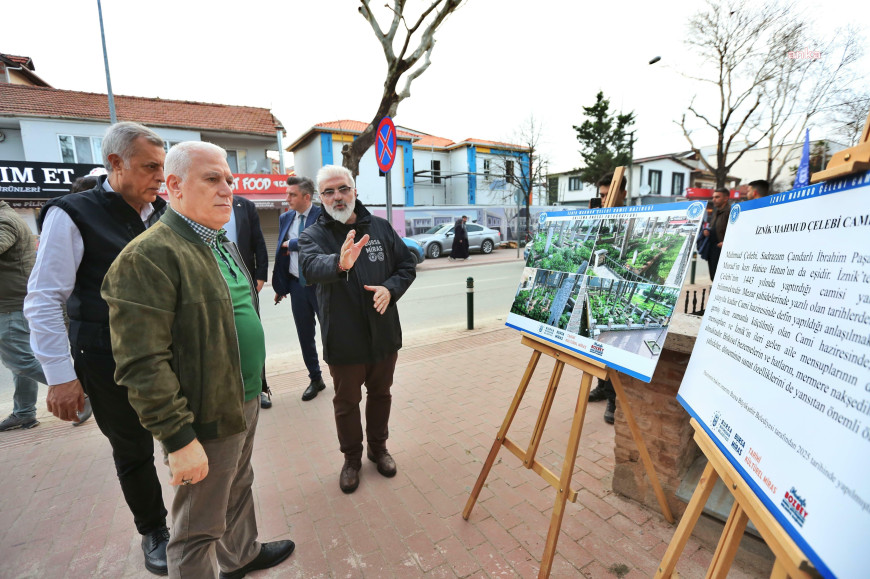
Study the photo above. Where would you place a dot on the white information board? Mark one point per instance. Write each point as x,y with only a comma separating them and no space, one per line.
780,373
605,282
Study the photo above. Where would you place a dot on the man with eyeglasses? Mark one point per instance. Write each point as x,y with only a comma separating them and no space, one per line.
361,268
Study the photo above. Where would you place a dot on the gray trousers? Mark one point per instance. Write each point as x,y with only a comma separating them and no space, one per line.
213,522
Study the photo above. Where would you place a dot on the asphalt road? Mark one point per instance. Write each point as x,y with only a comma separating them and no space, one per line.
435,304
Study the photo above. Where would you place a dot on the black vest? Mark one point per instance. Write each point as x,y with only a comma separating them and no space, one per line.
107,224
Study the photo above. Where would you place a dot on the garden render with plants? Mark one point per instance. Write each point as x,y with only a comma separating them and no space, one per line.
607,280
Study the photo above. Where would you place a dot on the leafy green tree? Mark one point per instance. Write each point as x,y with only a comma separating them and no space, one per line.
605,142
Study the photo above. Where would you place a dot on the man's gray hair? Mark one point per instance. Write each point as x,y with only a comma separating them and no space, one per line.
119,141
331,171
178,158
305,185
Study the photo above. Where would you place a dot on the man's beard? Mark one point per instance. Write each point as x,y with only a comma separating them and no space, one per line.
341,215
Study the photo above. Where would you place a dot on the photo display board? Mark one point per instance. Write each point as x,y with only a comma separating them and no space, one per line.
605,282
780,373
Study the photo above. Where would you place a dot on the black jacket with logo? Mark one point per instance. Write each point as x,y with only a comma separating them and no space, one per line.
353,331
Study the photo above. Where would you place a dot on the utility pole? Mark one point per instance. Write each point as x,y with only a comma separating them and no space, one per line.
112,116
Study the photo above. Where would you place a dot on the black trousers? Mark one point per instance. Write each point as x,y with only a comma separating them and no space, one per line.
132,444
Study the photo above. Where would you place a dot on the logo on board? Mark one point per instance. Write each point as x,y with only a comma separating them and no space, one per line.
795,506
695,210
541,218
596,349
735,213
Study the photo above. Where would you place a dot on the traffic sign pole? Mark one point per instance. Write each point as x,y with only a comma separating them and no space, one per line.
390,196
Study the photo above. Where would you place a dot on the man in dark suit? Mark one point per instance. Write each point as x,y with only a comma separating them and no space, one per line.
243,229
287,278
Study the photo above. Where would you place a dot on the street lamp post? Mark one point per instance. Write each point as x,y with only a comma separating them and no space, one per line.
112,116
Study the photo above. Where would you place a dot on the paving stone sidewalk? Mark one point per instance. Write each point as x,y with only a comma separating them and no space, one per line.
62,513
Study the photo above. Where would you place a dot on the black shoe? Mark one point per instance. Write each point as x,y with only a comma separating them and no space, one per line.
348,480
385,462
271,554
12,422
608,412
602,391
154,547
265,400
312,390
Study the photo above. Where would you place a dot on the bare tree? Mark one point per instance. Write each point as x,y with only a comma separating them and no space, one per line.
732,36
849,116
811,74
520,177
408,63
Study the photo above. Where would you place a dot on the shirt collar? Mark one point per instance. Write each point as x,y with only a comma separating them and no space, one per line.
209,236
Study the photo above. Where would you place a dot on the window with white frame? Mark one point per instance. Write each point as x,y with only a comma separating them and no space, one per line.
436,171
238,161
655,182
76,149
574,184
509,171
486,168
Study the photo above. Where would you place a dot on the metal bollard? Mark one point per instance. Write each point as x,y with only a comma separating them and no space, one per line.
694,264
469,291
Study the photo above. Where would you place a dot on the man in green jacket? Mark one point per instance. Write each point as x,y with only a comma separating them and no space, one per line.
189,347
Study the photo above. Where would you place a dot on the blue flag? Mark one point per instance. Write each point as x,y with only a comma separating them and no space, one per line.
802,179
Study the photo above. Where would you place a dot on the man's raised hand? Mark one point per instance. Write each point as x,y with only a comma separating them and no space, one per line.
350,251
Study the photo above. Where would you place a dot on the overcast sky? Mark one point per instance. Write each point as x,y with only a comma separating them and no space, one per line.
496,62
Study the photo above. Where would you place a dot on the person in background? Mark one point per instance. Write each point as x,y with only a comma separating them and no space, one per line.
287,278
243,229
460,240
758,189
715,233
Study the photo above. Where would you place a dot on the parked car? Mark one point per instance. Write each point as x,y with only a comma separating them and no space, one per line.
438,240
416,249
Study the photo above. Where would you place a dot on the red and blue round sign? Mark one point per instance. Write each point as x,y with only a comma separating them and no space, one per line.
385,144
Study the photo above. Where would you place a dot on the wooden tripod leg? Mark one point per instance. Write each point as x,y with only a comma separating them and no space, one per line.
544,413
728,543
641,446
499,439
565,478
687,523
779,571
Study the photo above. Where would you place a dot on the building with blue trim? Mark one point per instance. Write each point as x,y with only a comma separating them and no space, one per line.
428,171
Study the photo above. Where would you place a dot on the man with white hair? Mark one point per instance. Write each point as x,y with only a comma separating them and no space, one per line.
361,268
190,349
82,233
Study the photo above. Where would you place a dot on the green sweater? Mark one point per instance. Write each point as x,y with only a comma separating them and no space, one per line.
17,254
174,335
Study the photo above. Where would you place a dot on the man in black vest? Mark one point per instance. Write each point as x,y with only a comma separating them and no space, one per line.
82,233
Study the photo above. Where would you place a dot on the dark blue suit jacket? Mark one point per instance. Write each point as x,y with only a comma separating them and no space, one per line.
281,272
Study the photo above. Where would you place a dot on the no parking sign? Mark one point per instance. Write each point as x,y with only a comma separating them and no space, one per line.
385,144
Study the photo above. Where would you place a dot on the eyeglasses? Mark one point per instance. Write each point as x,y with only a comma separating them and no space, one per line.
343,190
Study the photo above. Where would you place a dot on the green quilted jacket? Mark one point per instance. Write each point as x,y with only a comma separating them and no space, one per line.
174,335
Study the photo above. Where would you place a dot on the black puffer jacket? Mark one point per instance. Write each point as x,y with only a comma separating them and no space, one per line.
353,331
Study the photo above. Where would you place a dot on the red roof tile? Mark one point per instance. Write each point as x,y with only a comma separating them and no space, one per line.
427,141
21,60
494,144
31,101
355,127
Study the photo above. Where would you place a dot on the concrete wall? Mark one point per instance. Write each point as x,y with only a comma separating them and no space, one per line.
12,149
41,143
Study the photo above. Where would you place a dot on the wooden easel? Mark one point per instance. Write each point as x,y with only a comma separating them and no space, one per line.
590,368
561,483
790,560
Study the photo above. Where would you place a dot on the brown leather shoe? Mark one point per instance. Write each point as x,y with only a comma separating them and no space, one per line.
349,478
385,462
